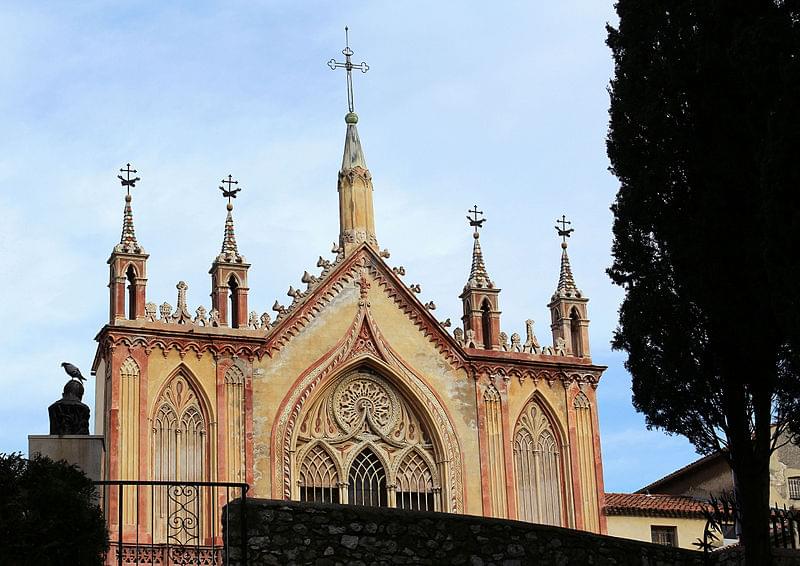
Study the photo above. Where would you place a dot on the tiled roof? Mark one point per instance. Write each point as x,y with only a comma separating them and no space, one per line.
653,505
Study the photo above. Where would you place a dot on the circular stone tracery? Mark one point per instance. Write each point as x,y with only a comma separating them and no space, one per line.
360,394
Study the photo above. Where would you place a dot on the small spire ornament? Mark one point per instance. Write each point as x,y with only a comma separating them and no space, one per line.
230,251
128,242
348,66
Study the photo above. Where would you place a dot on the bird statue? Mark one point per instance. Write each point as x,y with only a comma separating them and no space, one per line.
73,371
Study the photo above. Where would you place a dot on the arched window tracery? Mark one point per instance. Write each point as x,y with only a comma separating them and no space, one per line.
179,452
362,425
537,468
367,480
319,478
415,488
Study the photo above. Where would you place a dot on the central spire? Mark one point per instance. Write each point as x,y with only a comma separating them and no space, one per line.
356,214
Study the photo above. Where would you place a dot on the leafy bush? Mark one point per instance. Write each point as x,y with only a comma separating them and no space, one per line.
49,514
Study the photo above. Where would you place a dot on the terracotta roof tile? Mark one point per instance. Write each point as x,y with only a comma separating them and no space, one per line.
653,505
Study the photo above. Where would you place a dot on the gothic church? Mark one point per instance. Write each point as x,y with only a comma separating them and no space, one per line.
355,393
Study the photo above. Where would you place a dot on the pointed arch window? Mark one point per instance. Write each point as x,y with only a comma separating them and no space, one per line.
415,484
486,324
537,468
319,479
233,288
575,333
179,452
359,441
367,480
130,275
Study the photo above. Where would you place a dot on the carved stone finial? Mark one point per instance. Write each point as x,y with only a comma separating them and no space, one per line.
416,288
309,279
531,343
181,315
264,320
446,323
294,293
430,305
516,345
504,341
200,316
469,339
561,346
166,312
150,310
279,308
458,334
385,254
323,263
399,270
364,285
252,322
213,318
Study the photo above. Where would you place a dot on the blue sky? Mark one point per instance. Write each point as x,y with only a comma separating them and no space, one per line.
499,104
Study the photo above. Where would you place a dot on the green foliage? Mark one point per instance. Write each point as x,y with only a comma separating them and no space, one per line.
704,131
704,135
49,514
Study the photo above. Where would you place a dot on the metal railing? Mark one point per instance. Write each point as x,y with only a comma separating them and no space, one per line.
722,516
170,522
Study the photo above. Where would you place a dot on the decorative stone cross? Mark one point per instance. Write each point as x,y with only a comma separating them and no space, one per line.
348,66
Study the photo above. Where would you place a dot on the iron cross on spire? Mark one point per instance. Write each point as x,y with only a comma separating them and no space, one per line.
348,66
563,231
126,181
229,193
475,218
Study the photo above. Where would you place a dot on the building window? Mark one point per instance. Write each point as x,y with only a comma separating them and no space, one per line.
537,466
794,487
367,480
668,536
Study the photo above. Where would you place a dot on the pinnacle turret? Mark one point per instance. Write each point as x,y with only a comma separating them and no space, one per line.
478,276
230,251
127,242
566,282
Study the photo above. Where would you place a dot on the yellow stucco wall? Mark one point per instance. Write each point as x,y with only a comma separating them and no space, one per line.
638,528
327,328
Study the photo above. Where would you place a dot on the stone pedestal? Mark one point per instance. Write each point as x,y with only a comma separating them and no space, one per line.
86,451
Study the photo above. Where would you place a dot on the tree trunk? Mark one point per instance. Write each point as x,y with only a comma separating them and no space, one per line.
749,459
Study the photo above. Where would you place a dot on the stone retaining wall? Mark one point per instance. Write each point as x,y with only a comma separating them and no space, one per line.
290,532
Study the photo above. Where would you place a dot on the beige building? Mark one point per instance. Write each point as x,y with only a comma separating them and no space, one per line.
661,519
354,392
711,475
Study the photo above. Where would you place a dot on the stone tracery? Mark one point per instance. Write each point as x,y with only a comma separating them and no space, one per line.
361,424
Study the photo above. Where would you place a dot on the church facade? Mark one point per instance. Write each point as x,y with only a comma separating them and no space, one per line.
354,393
